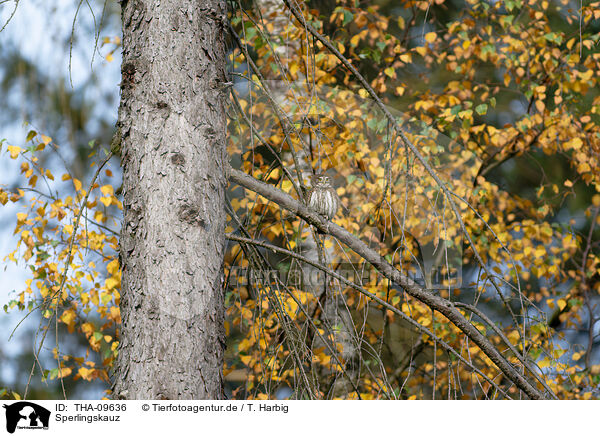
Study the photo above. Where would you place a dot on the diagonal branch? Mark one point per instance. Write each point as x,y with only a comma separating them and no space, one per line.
435,302
371,296
447,193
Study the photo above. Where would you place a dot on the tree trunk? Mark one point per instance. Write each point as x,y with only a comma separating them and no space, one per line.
172,124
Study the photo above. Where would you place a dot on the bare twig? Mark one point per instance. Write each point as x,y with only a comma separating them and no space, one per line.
372,297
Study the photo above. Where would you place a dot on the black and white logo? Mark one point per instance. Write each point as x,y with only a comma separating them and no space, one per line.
26,415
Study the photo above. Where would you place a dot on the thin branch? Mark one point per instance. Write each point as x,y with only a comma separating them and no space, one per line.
506,341
398,130
370,295
65,273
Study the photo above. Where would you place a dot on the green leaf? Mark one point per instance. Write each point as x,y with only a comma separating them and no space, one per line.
348,17
554,37
30,135
506,20
481,109
488,49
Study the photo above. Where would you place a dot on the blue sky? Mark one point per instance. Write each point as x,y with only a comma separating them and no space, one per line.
41,31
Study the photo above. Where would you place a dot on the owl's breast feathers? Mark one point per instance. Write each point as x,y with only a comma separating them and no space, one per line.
324,201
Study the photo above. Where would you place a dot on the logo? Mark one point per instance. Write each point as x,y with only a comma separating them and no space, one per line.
26,415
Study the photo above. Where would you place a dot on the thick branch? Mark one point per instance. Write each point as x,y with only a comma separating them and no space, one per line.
435,302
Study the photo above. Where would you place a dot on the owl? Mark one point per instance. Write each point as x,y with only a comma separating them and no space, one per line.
322,197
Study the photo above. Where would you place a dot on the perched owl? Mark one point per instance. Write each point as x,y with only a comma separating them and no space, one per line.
322,198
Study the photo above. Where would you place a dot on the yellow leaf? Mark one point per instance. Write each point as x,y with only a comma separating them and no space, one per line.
85,373
468,114
583,167
115,312
540,106
106,201
77,184
88,329
421,50
68,317
112,283
545,362
587,75
107,190
401,23
430,37
64,372
575,144
49,175
561,304
109,57
113,267
65,177
46,139
14,151
539,251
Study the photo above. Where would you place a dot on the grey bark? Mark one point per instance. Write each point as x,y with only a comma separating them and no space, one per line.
172,122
